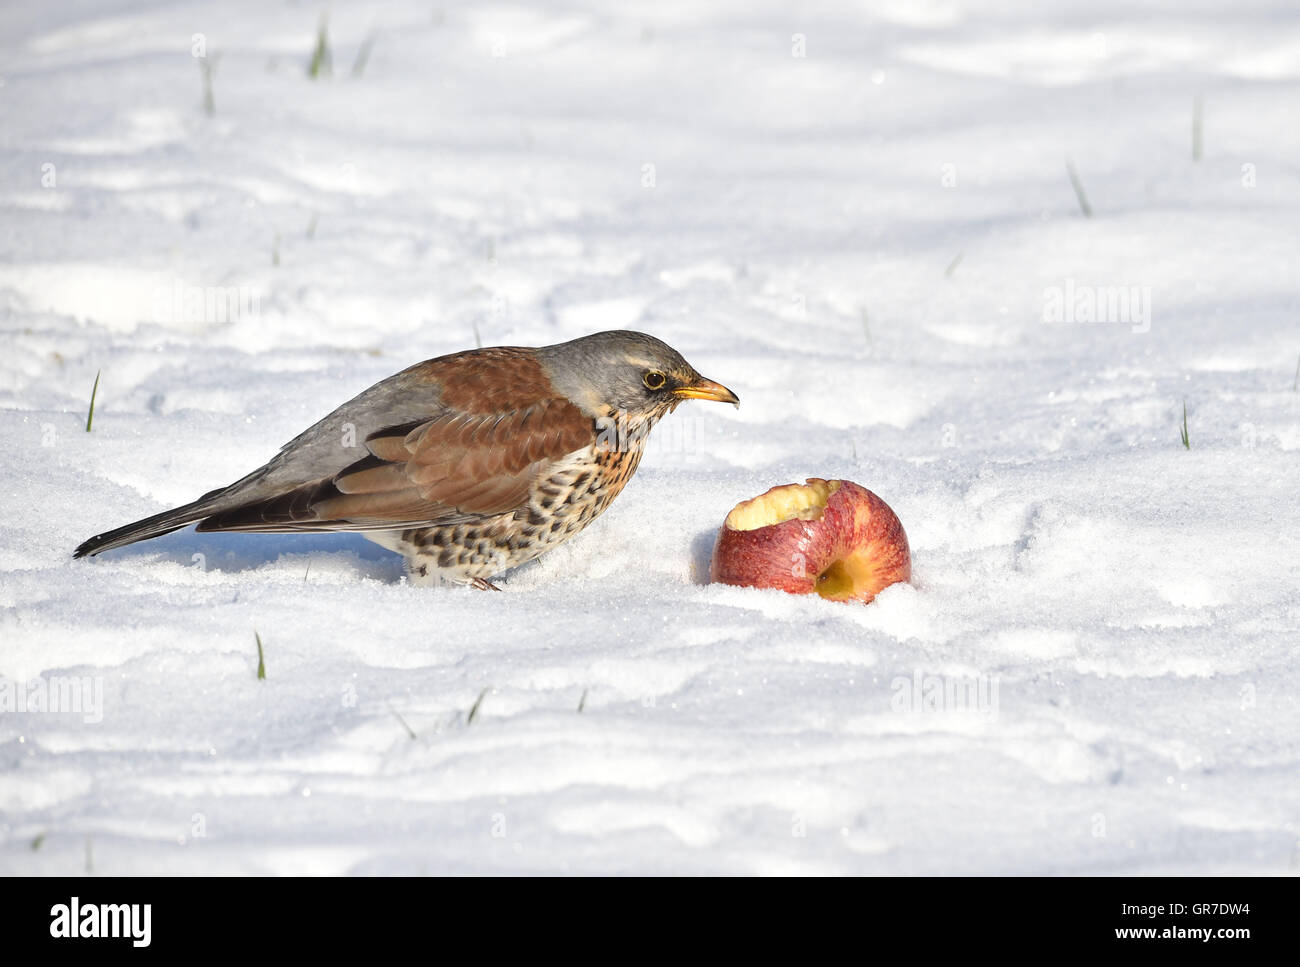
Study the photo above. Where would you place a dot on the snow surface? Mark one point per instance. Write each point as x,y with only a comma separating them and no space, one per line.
864,242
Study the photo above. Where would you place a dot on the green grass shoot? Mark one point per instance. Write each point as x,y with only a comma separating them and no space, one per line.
90,414
261,658
582,702
473,711
322,62
1187,445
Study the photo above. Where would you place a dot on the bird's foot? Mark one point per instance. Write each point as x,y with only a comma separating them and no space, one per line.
423,573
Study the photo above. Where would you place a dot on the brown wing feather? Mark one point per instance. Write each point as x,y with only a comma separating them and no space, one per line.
453,467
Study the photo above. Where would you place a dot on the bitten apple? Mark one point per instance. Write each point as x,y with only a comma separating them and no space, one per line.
829,537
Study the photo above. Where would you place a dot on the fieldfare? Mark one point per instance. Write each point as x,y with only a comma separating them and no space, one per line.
467,464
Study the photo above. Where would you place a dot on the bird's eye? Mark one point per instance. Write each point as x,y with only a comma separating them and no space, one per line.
654,379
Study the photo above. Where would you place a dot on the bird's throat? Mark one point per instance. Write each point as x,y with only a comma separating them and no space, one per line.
624,432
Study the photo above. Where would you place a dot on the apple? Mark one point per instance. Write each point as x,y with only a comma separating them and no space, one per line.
829,537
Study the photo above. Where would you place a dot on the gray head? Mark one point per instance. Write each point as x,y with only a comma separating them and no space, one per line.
625,371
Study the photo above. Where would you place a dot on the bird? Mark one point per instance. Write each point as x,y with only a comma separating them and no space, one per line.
468,464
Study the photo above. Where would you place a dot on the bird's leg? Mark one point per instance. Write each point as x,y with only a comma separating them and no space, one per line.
483,585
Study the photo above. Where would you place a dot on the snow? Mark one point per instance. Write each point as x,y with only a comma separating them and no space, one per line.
1093,670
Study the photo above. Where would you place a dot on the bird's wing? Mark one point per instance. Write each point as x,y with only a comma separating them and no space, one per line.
450,468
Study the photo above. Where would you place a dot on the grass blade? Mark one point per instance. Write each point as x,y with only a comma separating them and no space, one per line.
1078,189
473,711
208,67
1183,433
322,62
90,415
409,731
363,55
261,658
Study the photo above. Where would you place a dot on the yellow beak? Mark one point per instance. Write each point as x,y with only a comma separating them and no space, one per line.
707,389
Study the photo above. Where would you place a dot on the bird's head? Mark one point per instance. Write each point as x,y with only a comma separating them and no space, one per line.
623,372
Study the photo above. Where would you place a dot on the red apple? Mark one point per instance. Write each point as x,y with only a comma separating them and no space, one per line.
831,537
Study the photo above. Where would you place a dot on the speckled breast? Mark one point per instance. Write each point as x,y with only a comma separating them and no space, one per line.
560,505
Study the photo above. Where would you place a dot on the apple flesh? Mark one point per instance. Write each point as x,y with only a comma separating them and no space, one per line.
827,537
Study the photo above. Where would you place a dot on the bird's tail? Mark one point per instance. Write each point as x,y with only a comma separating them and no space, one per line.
155,526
